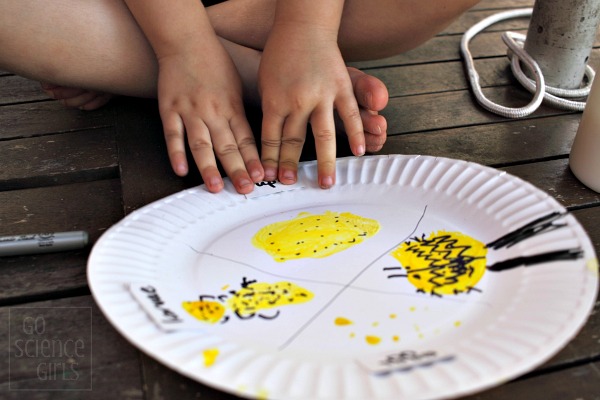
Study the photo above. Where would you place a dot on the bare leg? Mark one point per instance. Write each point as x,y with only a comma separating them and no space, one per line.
369,29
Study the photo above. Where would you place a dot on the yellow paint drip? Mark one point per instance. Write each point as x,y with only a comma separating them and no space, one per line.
341,321
205,311
210,356
372,340
314,235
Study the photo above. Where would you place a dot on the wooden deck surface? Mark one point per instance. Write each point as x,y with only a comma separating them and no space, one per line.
64,170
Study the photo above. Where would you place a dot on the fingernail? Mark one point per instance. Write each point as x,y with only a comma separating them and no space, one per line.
326,182
244,183
270,174
215,182
181,169
256,175
289,175
360,150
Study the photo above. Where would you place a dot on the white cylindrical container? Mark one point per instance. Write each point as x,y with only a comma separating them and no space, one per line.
585,152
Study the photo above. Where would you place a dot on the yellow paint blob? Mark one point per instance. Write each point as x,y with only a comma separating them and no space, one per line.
443,263
210,356
205,311
259,296
314,235
393,316
372,340
341,321
262,394
592,265
457,323
396,338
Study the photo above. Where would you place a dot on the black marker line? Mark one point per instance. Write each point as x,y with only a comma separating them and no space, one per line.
560,255
540,225
331,283
346,286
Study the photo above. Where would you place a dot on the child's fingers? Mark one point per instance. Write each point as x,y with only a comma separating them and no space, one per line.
247,146
292,140
227,151
323,127
347,109
272,126
174,137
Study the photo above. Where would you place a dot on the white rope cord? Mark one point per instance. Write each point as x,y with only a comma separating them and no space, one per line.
554,96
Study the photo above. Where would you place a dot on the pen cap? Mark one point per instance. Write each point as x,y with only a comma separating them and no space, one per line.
584,159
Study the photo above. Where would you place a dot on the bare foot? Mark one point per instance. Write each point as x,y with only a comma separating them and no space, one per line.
372,97
76,98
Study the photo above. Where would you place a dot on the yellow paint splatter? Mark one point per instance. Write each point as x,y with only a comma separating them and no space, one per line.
210,356
457,323
205,311
375,324
393,316
352,335
341,321
259,296
372,340
314,235
412,309
592,265
396,338
262,394
443,263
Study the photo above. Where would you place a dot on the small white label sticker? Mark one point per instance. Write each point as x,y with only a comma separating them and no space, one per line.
402,361
266,188
166,312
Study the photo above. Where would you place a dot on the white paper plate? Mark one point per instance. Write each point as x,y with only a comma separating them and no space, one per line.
451,321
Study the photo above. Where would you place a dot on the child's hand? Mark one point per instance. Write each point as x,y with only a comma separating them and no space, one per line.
303,79
200,96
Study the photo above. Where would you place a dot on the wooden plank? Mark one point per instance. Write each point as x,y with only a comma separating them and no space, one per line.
142,150
49,117
58,159
493,144
160,381
92,206
574,383
15,89
409,80
453,110
104,359
555,178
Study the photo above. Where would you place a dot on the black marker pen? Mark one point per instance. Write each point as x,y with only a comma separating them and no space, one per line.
35,243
